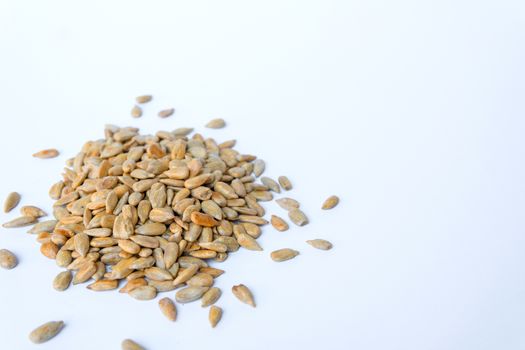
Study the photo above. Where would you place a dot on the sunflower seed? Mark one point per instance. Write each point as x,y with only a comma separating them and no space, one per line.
46,332
320,244
11,202
216,124
285,183
190,294
129,344
330,202
298,217
143,98
8,260
168,309
258,167
143,293
166,112
215,315
243,294
284,254
288,203
211,297
62,281
20,222
136,112
47,153
29,210
278,223
271,184
185,275
103,285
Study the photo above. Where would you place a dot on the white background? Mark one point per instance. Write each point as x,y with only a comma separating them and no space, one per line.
411,111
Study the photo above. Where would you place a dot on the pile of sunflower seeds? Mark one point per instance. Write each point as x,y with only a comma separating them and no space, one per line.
152,211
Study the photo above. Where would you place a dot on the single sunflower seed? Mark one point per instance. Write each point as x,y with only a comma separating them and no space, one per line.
189,294
320,244
46,332
285,183
129,344
20,222
62,281
136,112
46,154
211,297
8,260
168,309
330,202
298,217
165,113
284,254
143,98
216,123
11,202
278,223
215,315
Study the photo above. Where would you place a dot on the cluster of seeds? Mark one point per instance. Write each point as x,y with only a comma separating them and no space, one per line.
150,212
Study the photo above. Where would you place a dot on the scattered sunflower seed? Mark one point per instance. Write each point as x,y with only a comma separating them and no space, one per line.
143,98
46,332
278,223
165,113
167,307
62,281
215,315
136,112
47,153
129,344
29,210
330,202
284,254
298,217
20,222
243,294
216,124
8,260
320,244
285,183
11,201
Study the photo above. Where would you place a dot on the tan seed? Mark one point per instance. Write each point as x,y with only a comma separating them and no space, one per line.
190,294
139,282
330,202
143,98
129,344
202,219
46,332
136,112
271,184
243,294
216,123
86,271
284,254
8,260
278,223
298,217
288,203
211,297
11,202
215,315
49,250
258,167
285,183
185,275
20,222
47,153
144,293
248,242
29,210
200,280
62,281
320,244
168,309
165,113
103,285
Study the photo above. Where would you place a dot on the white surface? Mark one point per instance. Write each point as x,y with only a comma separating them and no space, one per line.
411,111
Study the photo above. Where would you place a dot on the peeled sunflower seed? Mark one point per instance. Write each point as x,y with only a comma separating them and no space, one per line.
211,297
136,112
320,244
143,98
285,183
215,315
278,223
330,202
243,294
144,293
11,201
8,260
20,222
284,254
47,153
166,112
129,344
62,281
189,294
288,203
167,307
46,332
216,123
298,217
29,210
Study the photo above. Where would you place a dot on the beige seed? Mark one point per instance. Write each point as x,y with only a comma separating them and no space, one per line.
103,285
81,243
212,271
215,315
47,153
216,123
86,271
143,98
200,280
11,202
20,222
320,244
8,260
185,275
129,344
168,309
202,219
278,223
258,167
285,183
271,184
298,217
136,112
165,113
49,250
330,202
133,284
211,297
288,203
46,332
248,242
144,293
29,210
243,294
62,281
190,294
284,254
